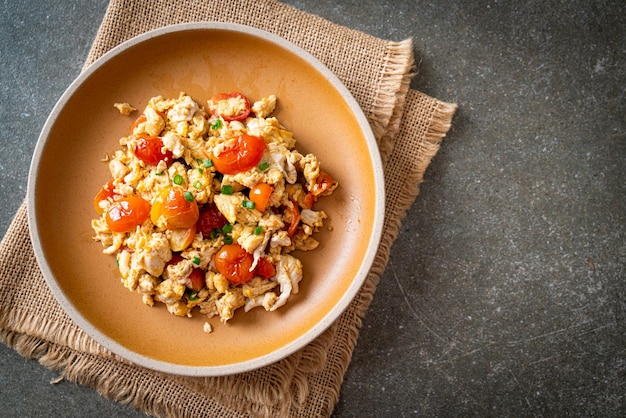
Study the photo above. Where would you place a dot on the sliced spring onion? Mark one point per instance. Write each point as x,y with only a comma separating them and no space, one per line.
197,185
192,296
226,229
208,163
258,230
264,166
227,189
228,239
196,260
216,124
178,179
248,204
188,196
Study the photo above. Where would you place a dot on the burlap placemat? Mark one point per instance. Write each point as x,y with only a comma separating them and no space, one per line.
408,126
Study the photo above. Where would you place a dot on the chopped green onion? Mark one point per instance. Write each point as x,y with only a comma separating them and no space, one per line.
258,230
188,196
216,124
227,189
200,170
219,175
198,161
197,185
264,166
228,228
228,239
208,163
214,232
117,262
192,296
160,173
248,204
196,260
178,179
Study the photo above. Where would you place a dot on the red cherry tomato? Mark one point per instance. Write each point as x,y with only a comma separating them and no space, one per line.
231,101
260,195
141,119
295,220
172,204
265,269
105,193
150,150
126,213
209,219
234,262
323,182
196,279
243,155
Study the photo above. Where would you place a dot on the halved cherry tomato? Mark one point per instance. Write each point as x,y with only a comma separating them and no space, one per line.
234,262
126,213
172,205
182,238
308,201
105,193
234,100
150,150
295,220
209,219
196,279
323,182
141,119
265,268
260,195
243,155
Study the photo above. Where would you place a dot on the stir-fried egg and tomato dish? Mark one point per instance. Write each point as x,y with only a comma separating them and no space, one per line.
206,204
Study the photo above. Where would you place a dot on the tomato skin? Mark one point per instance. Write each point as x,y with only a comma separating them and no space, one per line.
171,204
242,156
105,193
234,263
233,95
210,218
265,269
260,195
323,182
126,213
295,220
149,149
182,238
196,279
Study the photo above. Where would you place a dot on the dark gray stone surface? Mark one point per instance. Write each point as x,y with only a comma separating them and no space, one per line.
505,294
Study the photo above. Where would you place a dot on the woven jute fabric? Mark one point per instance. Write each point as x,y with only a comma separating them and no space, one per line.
408,126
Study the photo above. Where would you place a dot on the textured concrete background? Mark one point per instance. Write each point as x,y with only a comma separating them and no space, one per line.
505,294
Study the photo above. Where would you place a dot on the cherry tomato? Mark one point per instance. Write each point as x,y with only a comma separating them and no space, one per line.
308,201
171,204
260,195
240,102
234,262
126,213
265,269
182,238
176,258
209,219
295,220
196,279
105,193
243,155
323,182
150,150
141,119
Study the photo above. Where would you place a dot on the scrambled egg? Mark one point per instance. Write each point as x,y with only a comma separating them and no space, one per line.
170,252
